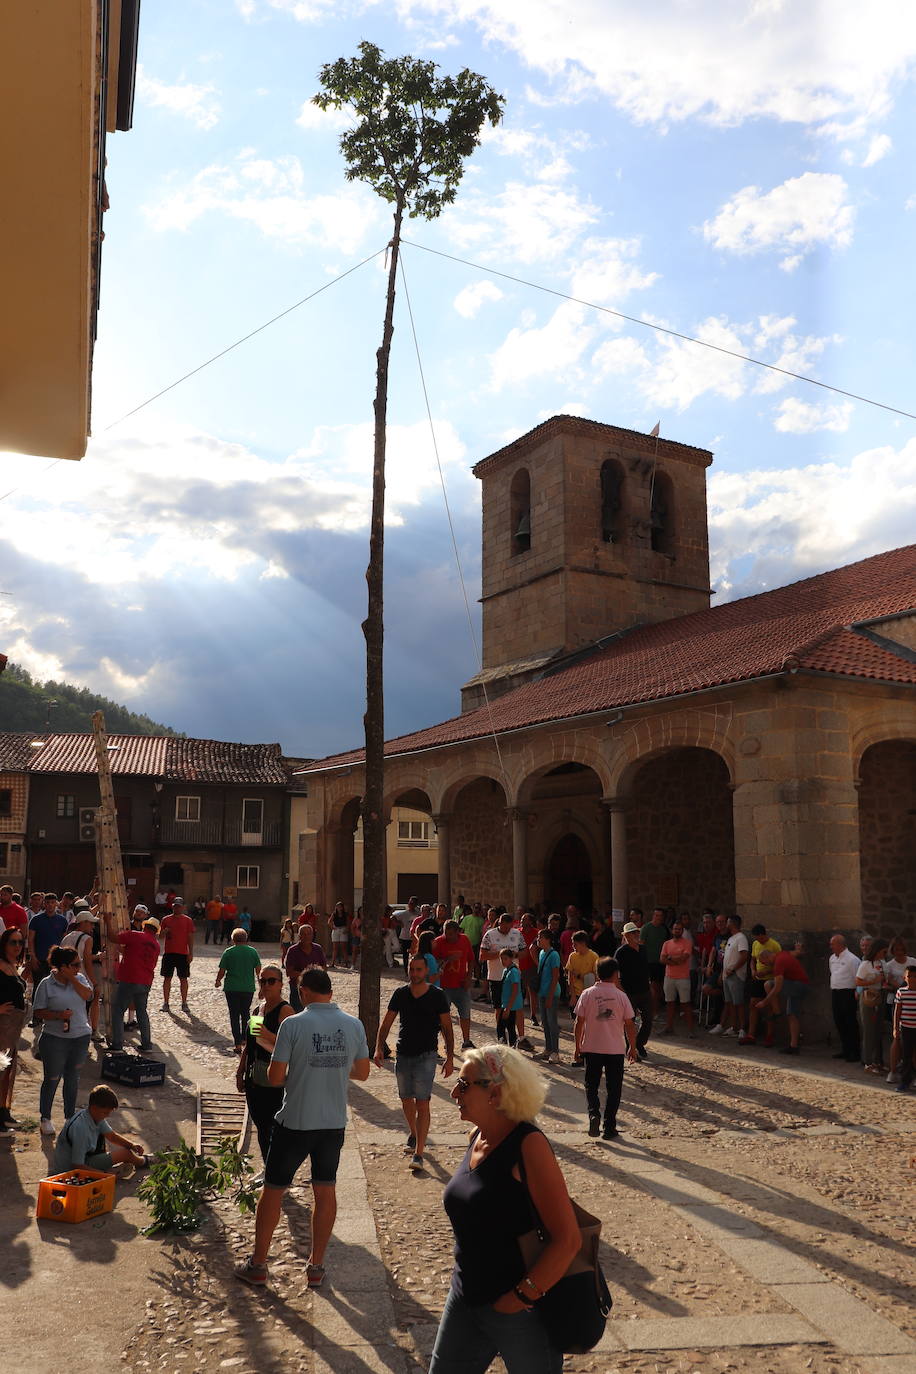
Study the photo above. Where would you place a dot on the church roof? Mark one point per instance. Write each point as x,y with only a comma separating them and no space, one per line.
808,626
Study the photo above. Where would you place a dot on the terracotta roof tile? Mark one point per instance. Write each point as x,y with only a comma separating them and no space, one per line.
805,624
159,756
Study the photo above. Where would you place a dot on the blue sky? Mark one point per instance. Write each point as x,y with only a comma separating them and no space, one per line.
741,173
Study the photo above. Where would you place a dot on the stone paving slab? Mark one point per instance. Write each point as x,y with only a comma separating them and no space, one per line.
889,1364
850,1324
768,1262
719,1221
717,1333
363,1359
677,1191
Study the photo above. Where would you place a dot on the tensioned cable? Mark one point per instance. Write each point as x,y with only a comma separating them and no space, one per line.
661,329
245,337
451,530
222,353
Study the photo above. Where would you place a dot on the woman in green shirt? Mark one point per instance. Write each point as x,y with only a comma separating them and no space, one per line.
239,963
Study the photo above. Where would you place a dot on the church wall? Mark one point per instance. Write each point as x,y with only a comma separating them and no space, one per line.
529,617
680,843
887,820
481,844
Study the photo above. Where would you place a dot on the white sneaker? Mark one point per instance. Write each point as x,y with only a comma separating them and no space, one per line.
893,1076
731,1031
716,1030
554,1059
47,1126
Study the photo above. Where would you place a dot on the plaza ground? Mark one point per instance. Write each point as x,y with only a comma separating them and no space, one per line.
757,1217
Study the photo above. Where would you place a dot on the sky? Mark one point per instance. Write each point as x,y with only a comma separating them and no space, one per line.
742,173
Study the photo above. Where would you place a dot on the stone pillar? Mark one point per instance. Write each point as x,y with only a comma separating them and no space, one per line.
617,806
520,855
444,880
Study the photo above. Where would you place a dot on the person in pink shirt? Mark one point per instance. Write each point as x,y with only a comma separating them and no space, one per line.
675,956
605,1035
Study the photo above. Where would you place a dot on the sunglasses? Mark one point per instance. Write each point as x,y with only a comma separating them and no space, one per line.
268,980
463,1085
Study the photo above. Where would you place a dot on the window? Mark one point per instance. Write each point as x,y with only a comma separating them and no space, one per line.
4,856
252,816
413,834
662,513
6,801
66,805
520,512
187,808
611,502
249,875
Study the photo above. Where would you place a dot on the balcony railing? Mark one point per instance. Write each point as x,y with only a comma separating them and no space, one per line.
205,834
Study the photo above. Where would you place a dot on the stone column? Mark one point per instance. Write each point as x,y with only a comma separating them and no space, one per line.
617,806
520,855
444,879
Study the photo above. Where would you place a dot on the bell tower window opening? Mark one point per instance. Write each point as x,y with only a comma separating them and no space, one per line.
611,502
661,513
520,512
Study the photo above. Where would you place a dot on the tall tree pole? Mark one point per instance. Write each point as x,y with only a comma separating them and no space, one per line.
411,132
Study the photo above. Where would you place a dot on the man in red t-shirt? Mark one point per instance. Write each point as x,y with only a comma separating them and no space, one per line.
229,919
455,953
177,930
135,971
790,982
11,913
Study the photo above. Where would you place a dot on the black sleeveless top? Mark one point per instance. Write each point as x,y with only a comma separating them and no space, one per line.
256,1051
489,1209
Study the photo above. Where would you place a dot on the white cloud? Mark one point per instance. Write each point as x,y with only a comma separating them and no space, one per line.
471,298
770,527
796,355
681,372
529,222
605,271
799,417
197,103
552,350
822,61
878,148
313,117
793,218
273,195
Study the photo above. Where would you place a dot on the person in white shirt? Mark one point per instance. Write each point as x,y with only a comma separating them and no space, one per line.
494,940
844,965
734,980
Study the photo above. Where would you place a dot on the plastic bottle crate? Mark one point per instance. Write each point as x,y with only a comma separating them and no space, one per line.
59,1201
134,1069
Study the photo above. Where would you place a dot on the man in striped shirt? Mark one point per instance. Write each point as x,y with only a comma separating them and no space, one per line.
905,1026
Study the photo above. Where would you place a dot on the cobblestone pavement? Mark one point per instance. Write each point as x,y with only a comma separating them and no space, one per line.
756,1218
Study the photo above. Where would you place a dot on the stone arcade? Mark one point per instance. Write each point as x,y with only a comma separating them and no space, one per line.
759,755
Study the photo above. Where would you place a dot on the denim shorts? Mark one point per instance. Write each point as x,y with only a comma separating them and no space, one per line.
460,999
793,993
288,1150
415,1074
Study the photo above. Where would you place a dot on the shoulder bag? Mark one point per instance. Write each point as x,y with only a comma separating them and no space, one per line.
574,1311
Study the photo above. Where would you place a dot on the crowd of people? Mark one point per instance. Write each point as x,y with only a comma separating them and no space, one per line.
296,1054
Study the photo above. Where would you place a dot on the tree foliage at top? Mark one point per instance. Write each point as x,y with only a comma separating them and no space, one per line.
412,129
24,706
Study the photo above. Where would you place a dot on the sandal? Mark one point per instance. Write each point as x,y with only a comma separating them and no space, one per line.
251,1273
314,1274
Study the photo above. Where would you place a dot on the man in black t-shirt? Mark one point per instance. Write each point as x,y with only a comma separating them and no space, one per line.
423,1012
634,979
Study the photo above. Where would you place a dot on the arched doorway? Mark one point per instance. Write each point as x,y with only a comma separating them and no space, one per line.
680,833
569,875
887,837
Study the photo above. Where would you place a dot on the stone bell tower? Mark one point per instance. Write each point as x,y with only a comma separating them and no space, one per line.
588,530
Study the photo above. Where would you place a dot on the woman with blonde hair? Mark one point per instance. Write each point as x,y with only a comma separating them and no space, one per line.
509,1168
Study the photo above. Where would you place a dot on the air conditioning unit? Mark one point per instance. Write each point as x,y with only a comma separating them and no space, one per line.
88,824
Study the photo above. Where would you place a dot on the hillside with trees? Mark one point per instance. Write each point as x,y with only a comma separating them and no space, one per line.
26,704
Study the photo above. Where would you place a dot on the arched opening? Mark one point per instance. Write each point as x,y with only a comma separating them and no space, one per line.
569,875
887,837
680,833
412,850
520,512
661,513
481,843
611,502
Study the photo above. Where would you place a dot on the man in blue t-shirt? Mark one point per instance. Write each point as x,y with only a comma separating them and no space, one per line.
548,995
88,1142
316,1053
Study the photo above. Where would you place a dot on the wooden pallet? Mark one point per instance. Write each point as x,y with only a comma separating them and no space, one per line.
220,1115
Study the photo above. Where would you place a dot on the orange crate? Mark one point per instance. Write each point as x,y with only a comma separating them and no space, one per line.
59,1201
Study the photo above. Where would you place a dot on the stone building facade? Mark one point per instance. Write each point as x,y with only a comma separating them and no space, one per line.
627,744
